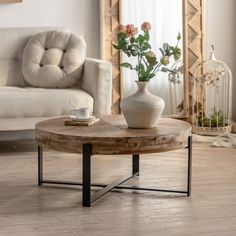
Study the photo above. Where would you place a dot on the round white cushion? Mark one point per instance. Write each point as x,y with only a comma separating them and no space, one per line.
54,59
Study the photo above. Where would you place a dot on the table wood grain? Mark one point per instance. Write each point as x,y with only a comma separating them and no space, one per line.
111,136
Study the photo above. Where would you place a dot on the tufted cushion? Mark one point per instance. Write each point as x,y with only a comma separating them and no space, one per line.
53,59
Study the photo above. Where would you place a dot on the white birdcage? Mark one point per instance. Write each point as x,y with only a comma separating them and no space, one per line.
212,97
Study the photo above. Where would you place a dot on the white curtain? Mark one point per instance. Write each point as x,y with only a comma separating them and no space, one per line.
165,17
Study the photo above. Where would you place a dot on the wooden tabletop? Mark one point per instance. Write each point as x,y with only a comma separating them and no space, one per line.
111,136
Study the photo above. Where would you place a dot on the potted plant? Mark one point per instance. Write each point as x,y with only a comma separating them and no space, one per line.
142,109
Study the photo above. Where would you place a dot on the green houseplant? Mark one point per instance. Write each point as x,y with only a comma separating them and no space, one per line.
216,119
142,109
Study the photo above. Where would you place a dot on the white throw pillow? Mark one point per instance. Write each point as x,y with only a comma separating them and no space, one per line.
54,59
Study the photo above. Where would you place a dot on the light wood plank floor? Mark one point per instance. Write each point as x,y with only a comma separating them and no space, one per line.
29,210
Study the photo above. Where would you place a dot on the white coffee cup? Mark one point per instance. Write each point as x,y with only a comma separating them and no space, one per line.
82,112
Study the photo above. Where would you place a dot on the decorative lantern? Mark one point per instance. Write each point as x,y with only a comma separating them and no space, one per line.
212,97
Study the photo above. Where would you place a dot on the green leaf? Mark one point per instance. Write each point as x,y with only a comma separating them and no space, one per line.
141,71
146,75
162,51
132,40
116,47
127,53
126,65
177,50
129,47
146,36
122,44
140,39
150,68
135,45
134,53
141,68
151,75
177,56
166,47
146,46
122,35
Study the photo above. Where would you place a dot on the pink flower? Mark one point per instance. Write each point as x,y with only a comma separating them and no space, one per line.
121,28
146,26
131,30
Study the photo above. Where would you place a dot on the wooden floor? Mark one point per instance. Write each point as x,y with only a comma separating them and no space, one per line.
29,210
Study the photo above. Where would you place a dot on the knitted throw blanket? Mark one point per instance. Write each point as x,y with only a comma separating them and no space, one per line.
227,140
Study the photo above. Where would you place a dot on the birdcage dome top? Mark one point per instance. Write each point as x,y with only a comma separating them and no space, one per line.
212,71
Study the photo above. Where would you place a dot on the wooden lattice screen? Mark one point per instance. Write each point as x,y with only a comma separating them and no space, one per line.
193,40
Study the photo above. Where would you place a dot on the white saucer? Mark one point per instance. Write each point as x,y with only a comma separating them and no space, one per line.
82,119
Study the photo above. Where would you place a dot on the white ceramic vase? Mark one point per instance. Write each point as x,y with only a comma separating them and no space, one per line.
142,109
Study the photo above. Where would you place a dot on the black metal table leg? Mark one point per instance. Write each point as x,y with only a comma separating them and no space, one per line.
189,166
40,165
135,164
87,150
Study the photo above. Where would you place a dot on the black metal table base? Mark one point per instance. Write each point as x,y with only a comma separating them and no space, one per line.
86,182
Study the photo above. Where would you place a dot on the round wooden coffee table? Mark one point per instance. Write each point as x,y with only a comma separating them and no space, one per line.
110,136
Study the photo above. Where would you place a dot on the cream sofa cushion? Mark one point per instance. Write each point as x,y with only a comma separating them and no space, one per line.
53,59
39,102
12,44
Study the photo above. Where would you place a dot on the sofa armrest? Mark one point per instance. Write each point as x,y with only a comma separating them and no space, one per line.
97,81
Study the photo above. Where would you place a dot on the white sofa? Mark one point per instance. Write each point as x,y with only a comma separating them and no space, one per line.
22,106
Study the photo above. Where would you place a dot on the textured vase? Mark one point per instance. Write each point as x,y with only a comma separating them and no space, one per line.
142,109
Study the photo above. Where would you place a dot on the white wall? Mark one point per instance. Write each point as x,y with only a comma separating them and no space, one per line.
220,19
80,16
